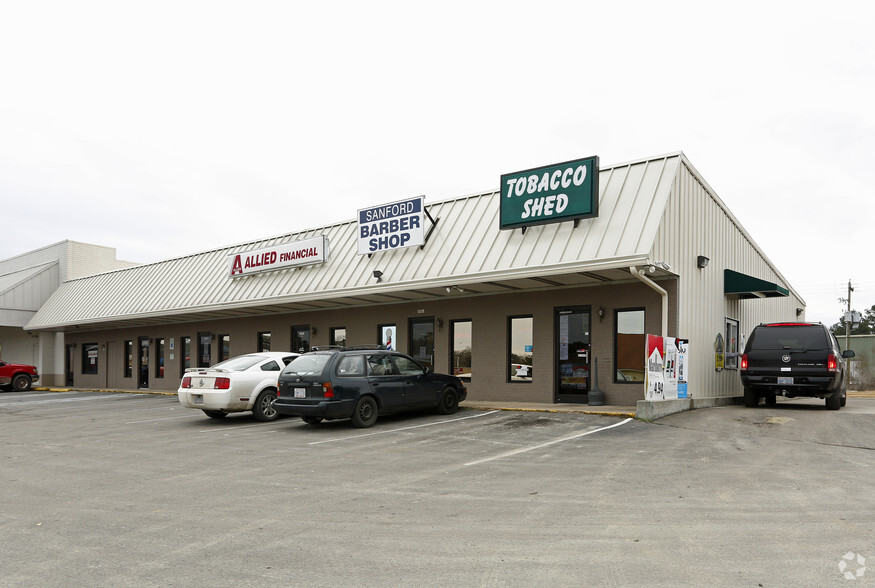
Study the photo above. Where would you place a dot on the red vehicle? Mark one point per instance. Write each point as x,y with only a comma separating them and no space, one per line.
17,376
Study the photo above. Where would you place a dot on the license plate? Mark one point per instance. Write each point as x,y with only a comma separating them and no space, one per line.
197,399
300,392
785,381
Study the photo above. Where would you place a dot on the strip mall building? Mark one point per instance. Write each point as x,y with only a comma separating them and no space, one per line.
526,292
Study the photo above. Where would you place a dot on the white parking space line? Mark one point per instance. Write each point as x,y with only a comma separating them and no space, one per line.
187,416
57,400
476,416
232,428
547,444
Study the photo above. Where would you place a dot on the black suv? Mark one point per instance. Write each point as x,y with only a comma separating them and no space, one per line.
360,383
794,359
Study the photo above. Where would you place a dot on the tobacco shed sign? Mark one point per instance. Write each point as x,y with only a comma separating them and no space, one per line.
551,194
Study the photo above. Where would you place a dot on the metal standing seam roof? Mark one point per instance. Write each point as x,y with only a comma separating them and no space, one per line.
466,249
13,279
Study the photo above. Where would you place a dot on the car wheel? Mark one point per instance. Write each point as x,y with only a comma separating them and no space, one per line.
844,399
21,383
215,414
771,399
263,408
751,397
449,402
834,402
311,420
365,413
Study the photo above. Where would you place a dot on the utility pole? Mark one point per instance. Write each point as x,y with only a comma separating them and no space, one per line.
848,323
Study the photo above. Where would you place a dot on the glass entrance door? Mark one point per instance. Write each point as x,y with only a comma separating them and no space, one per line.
422,341
143,381
69,358
572,370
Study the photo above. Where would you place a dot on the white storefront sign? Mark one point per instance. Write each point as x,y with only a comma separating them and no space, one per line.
391,226
298,253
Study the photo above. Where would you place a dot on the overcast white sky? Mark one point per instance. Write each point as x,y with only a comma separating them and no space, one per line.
166,128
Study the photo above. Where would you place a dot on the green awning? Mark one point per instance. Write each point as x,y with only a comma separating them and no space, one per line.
745,286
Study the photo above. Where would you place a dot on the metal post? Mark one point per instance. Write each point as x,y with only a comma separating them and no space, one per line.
596,396
848,323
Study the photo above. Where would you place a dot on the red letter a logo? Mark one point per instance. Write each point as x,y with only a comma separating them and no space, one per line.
237,267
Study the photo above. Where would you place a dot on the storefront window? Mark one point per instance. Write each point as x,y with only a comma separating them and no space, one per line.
224,347
629,340
264,341
159,357
520,349
386,335
731,334
301,338
129,359
185,349
89,358
204,349
337,336
460,335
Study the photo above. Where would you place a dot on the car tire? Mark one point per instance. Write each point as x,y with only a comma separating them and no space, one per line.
771,399
751,397
311,420
215,414
263,409
834,402
844,398
365,413
21,383
449,402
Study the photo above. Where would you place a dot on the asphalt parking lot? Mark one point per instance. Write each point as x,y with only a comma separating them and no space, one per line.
104,489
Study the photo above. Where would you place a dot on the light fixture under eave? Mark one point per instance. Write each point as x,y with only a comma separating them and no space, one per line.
702,262
454,290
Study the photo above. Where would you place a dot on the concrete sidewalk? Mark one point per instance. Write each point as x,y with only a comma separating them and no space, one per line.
606,410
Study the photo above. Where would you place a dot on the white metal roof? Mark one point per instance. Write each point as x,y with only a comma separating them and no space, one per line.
466,249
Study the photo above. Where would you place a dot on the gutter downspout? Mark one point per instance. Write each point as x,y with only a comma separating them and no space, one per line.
639,273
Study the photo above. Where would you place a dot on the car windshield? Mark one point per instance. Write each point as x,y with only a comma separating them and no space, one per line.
308,364
239,363
790,337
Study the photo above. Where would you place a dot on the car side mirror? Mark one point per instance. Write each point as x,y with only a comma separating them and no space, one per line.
848,353
427,370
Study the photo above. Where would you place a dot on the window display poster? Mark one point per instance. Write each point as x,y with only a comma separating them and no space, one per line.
683,367
654,384
667,368
388,336
670,357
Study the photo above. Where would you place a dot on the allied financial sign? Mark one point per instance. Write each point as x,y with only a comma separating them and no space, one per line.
391,226
551,194
298,253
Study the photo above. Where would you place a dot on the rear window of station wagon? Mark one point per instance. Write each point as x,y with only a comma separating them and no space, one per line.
308,365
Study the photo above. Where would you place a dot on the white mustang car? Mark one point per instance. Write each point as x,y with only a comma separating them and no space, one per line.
245,382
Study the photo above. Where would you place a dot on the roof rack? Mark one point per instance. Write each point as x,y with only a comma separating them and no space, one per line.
346,348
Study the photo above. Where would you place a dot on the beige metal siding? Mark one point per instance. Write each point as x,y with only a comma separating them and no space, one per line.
696,222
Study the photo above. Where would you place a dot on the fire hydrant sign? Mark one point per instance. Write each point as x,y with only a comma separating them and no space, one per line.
551,194
391,226
305,252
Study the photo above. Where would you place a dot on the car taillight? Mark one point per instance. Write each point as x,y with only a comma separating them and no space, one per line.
222,383
744,361
327,390
186,382
832,364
